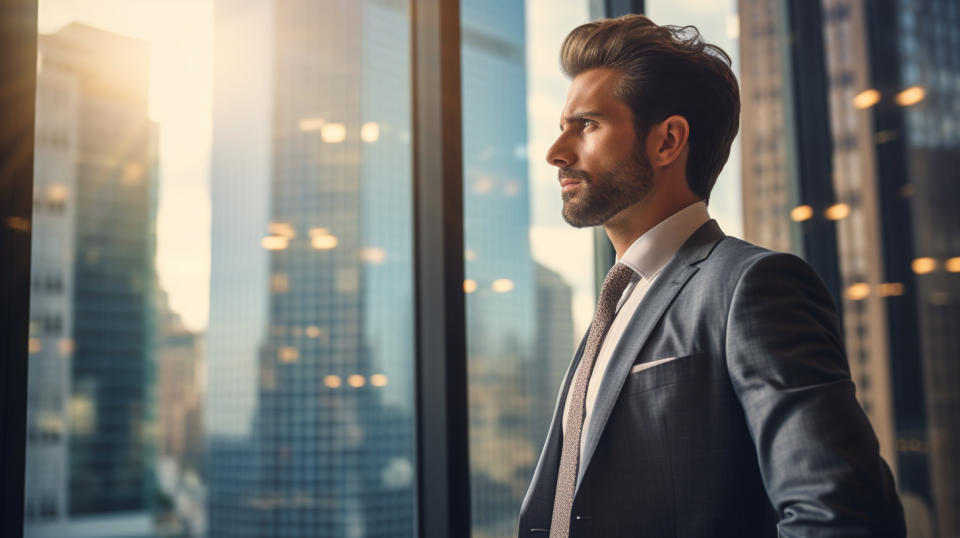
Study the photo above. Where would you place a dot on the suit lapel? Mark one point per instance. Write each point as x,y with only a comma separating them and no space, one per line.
660,295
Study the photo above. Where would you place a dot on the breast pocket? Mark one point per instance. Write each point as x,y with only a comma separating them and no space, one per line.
650,375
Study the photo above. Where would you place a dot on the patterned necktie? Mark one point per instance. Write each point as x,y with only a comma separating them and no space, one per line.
617,279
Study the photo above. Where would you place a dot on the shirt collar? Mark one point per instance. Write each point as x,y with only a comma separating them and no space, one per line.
649,254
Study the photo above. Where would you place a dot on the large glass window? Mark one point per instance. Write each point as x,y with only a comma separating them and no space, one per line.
221,329
529,276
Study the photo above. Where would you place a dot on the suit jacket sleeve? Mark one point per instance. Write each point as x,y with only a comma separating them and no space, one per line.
818,455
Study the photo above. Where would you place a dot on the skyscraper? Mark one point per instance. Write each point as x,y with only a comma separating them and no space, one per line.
320,441
97,167
895,139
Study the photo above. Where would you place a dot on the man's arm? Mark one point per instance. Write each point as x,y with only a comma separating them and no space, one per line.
818,455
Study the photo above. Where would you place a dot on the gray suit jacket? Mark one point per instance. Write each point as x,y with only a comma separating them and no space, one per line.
753,430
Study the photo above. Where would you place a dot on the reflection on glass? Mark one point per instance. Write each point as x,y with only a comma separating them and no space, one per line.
895,141
526,270
290,412
305,435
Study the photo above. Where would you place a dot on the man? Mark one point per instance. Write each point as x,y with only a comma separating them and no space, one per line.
711,396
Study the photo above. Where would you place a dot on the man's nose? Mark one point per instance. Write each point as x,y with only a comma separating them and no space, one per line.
559,154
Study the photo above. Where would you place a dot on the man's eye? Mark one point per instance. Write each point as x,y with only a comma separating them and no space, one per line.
589,123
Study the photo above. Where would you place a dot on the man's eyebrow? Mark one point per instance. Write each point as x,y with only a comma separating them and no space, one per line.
580,116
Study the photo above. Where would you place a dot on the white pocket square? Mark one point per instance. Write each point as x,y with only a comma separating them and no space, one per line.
643,366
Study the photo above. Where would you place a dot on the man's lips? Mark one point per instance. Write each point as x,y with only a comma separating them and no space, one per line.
568,181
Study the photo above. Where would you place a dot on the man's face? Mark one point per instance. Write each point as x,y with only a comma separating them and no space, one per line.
603,168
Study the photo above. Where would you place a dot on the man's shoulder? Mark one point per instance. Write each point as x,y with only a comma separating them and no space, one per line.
733,257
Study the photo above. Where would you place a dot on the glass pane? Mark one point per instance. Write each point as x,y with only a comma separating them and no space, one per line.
719,24
221,336
896,138
529,276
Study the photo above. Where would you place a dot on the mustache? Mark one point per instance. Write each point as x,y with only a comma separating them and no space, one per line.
579,175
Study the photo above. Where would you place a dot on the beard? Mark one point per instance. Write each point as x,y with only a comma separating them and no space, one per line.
599,198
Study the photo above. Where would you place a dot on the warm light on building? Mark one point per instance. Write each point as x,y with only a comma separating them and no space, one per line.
313,331
288,354
333,133
374,255
356,381
502,285
866,99
311,124
324,242
470,255
890,289
837,211
67,346
952,265
370,131
911,96
483,185
57,193
332,381
922,266
279,283
801,213
132,173
469,285
34,345
378,380
283,229
274,242
858,291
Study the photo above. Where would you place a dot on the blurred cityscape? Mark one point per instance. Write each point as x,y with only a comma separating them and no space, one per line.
292,413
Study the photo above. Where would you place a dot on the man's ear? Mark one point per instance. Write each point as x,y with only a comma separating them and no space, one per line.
668,140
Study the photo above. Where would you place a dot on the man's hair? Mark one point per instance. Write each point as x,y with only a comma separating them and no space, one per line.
665,70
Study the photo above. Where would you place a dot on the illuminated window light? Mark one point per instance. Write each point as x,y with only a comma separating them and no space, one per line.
378,380
512,188
891,289
324,242
866,99
502,285
332,381
57,193
801,213
288,354
333,133
311,124
953,264
837,211
274,242
858,291
67,346
283,229
370,131
356,381
313,331
34,345
922,266
911,96
469,285
374,255
483,185
280,283
470,255
132,173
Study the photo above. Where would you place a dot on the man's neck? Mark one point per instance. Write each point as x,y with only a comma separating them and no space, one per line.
628,225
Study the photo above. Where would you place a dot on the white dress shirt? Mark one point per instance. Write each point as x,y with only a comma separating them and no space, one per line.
647,256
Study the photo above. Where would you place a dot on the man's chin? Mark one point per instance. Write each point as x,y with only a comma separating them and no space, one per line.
578,219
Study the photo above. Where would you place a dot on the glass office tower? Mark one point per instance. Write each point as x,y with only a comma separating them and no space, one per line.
310,425
891,68
94,276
